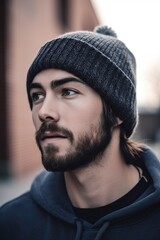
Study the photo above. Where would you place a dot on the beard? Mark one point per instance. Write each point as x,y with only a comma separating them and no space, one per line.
87,150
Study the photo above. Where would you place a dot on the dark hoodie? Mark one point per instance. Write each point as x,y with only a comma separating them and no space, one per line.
46,213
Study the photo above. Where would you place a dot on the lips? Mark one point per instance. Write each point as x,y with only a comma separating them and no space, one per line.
49,134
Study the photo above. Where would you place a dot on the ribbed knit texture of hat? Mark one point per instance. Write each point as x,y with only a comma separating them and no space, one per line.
99,59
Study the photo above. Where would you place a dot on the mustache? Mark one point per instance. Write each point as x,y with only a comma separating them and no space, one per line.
53,127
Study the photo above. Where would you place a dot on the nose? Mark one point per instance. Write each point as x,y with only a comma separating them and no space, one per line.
49,110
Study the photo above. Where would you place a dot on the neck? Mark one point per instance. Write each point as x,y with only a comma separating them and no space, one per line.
104,182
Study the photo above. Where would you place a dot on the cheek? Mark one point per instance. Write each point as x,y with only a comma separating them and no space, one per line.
84,117
35,119
92,112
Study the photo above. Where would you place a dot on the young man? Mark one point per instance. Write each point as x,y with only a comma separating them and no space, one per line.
100,185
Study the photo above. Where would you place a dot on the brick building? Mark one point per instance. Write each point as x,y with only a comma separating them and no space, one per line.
25,26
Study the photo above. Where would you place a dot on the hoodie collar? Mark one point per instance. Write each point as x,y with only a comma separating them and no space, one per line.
49,191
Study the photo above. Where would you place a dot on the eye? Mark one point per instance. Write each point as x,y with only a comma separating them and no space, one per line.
37,97
67,92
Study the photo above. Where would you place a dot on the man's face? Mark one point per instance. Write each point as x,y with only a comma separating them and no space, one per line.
69,121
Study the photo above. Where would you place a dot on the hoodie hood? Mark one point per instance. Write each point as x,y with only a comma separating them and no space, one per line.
48,190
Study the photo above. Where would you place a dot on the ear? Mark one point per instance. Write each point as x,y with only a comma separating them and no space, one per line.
119,122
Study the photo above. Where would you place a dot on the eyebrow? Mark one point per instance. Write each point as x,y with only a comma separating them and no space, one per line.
57,83
35,85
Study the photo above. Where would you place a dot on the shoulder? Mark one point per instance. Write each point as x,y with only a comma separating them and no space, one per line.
17,216
15,206
19,207
18,211
12,213
16,201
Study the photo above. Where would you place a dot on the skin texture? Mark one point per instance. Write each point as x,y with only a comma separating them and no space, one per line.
65,112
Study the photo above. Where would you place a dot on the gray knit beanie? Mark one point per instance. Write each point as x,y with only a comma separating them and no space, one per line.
100,60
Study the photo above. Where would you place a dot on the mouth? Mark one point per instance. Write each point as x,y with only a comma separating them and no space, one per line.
52,135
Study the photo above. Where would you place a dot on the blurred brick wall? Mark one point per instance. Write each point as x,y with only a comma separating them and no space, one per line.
30,24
